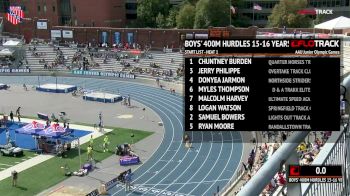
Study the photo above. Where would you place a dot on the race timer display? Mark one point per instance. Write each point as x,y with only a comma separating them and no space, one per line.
251,85
319,174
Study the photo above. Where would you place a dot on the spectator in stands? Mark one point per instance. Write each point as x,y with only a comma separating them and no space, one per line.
244,166
284,136
281,179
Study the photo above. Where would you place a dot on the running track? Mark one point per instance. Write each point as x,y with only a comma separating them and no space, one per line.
173,170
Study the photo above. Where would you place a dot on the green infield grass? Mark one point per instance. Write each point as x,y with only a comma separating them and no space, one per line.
46,174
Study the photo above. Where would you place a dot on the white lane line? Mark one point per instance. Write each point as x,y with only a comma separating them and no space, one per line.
141,190
177,110
120,85
213,166
184,157
228,160
199,169
177,152
136,88
142,95
193,160
240,160
180,183
5,164
172,138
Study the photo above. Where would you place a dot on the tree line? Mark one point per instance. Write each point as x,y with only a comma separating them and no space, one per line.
216,13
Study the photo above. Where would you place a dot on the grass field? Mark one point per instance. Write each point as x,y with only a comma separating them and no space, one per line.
9,161
44,175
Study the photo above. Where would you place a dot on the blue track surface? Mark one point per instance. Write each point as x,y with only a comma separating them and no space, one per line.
173,169
27,141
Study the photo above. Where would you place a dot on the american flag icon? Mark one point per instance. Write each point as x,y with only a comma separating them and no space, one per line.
15,14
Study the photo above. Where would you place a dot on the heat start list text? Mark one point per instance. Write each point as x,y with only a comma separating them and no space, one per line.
262,88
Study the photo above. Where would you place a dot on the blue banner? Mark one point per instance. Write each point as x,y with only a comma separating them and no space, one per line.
117,38
104,37
130,38
111,183
14,70
104,74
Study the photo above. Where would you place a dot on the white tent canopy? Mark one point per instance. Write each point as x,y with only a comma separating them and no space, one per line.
11,43
5,52
336,23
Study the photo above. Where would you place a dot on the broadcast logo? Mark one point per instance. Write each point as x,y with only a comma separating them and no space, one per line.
294,170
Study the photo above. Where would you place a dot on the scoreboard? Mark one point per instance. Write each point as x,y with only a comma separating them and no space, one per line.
262,84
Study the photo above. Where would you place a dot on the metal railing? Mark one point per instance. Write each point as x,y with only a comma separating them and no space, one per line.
263,177
336,154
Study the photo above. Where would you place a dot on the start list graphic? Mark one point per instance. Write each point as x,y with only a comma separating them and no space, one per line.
252,85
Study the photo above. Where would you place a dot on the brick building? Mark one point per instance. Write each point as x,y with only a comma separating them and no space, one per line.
96,21
86,13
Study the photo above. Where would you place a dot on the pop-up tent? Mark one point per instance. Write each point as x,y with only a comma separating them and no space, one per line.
31,129
6,52
12,43
336,23
54,131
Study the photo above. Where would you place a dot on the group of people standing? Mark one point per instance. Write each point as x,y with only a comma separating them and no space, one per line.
90,147
18,114
126,101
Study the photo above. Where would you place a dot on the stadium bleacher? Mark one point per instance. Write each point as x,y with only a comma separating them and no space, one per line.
166,61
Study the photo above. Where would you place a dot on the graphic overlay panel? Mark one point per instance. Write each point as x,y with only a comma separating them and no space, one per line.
319,174
250,85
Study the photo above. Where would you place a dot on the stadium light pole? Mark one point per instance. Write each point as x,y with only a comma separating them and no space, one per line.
79,153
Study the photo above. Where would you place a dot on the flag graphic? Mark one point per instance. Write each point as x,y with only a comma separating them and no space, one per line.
15,14
257,7
233,10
